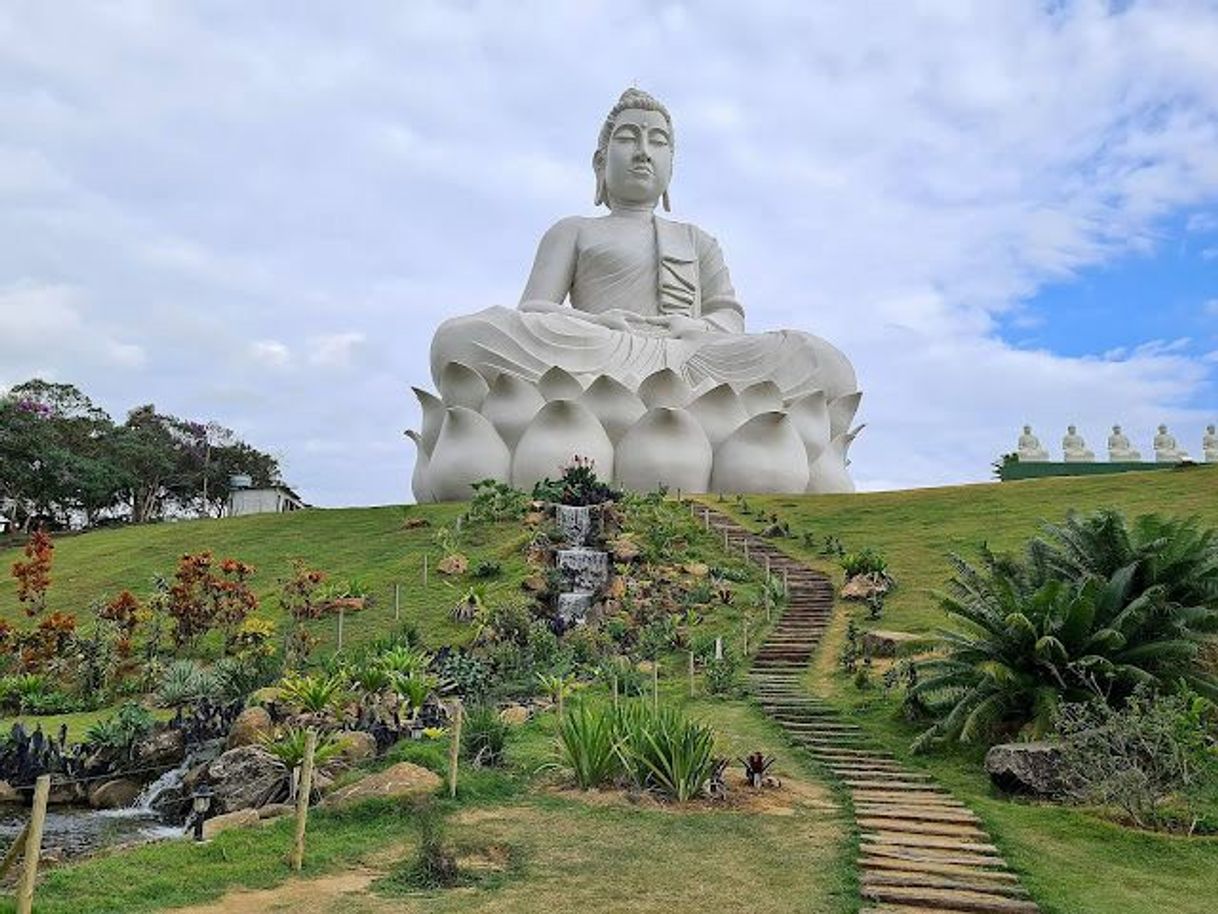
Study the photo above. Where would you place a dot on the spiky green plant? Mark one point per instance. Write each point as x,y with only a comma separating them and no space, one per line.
588,745
402,660
288,745
1094,608
415,688
663,750
313,694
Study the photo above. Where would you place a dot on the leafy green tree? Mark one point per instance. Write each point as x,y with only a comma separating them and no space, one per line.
1094,608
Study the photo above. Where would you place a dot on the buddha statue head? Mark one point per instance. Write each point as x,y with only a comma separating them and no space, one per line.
633,158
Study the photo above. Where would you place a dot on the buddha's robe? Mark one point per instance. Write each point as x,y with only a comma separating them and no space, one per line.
653,268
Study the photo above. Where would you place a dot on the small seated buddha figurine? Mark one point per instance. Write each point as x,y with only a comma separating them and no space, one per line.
1209,444
1030,450
1166,449
1119,448
645,293
1074,448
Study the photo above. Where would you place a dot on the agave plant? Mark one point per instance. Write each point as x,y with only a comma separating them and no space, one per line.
415,689
288,745
185,682
313,694
402,661
1094,609
588,745
663,750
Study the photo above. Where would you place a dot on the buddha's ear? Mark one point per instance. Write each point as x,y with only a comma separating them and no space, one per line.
664,200
601,195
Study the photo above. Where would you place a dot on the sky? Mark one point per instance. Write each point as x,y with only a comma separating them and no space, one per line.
258,213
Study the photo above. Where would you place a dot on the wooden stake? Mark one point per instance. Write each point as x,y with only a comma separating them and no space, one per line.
744,627
424,572
302,798
746,549
786,583
726,544
33,845
341,614
561,691
615,691
706,518
655,684
767,569
397,602
767,604
718,648
454,750
691,674
14,850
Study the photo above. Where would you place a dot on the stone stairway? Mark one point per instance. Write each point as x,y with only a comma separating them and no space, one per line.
921,851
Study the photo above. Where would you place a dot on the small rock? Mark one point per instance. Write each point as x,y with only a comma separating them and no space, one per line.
65,794
163,749
534,583
535,518
625,550
274,810
402,780
515,715
414,523
355,745
242,818
116,794
616,589
697,569
1030,768
865,586
453,564
268,695
249,727
9,794
887,644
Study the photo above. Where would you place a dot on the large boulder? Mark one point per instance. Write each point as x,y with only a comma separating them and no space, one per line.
244,778
1029,768
402,780
879,643
250,726
116,794
9,794
163,749
242,818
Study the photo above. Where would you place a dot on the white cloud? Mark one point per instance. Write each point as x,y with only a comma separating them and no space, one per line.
335,350
188,189
1211,307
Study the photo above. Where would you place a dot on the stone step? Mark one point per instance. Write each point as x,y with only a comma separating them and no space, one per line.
949,900
977,874
895,824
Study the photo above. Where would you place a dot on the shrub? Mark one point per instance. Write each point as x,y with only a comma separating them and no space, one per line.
313,694
484,736
495,501
123,730
665,751
588,745
465,675
33,576
486,569
722,676
1155,749
185,682
1093,608
288,745
577,486
866,561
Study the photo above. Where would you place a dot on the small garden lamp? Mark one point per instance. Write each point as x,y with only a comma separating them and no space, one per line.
201,803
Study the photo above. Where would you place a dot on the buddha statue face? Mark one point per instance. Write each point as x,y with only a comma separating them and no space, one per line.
1209,429
633,159
1162,429
638,162
1071,430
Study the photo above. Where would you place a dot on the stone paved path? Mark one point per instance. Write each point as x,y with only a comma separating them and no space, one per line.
921,851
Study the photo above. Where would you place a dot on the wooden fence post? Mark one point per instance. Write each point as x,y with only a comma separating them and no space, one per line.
302,799
691,674
454,750
744,627
424,571
706,518
341,614
397,602
746,548
726,544
33,845
14,850
655,684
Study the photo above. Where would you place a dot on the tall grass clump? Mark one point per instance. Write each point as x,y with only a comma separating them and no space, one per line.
588,744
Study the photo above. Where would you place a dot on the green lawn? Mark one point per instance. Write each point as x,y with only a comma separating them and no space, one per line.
1073,861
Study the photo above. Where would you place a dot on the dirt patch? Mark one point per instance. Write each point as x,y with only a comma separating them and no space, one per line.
310,896
793,796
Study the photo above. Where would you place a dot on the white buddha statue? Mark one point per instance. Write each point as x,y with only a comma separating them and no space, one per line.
1209,444
1119,448
1074,448
1166,449
630,310
1030,450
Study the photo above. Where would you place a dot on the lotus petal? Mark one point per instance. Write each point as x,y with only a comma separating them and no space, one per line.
762,397
468,450
828,474
418,478
666,447
765,454
614,405
433,418
460,385
841,412
511,405
664,388
557,384
561,431
720,412
810,413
